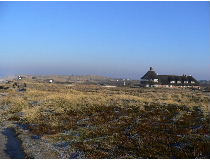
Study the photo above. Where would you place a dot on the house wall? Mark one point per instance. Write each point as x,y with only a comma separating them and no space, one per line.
155,80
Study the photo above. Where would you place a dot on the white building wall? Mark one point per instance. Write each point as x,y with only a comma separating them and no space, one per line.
155,80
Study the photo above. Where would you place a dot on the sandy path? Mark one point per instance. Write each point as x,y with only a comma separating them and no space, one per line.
10,145
3,141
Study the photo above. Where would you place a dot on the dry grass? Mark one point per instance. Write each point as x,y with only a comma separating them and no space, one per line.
116,122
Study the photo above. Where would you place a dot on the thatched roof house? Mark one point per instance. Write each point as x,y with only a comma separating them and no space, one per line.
152,79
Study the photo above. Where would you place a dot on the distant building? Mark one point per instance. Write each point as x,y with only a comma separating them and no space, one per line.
152,79
20,77
50,80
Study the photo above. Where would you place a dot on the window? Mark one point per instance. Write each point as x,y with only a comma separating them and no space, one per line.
185,81
155,80
179,82
172,82
192,82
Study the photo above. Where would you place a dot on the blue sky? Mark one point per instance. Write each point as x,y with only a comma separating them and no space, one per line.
117,39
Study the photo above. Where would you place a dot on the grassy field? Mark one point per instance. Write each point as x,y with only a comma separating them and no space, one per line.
119,122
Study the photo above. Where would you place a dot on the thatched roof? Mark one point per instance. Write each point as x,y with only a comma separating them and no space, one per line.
166,79
151,74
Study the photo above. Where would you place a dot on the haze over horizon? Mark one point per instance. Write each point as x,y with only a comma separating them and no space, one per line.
115,39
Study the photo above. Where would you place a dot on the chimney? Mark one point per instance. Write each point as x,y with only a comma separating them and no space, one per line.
150,68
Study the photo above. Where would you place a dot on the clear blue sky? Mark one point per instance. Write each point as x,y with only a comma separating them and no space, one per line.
117,39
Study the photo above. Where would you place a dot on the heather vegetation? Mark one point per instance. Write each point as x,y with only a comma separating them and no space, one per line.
91,121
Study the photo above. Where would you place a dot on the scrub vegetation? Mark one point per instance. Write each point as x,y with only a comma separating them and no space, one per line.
91,121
